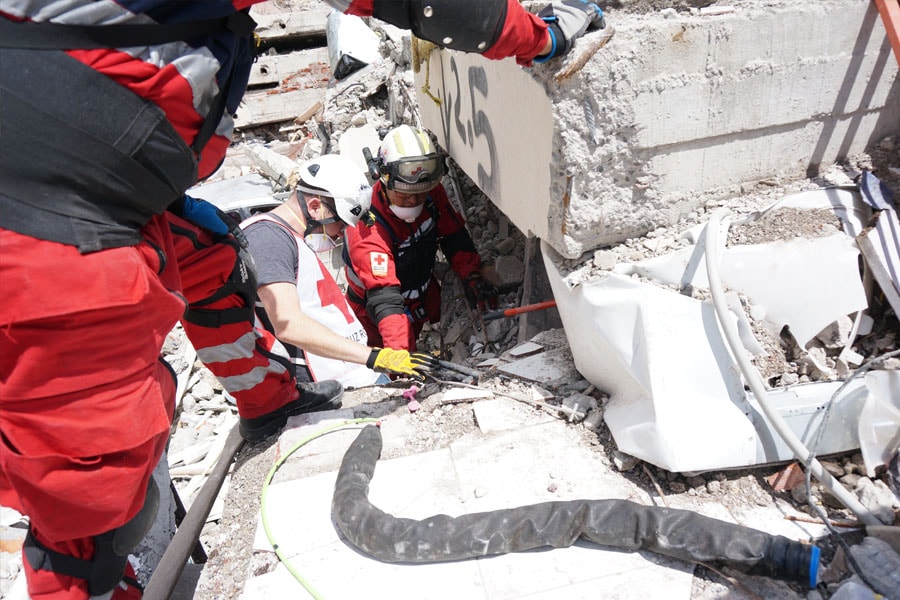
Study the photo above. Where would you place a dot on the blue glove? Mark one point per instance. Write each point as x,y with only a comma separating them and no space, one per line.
208,216
567,20
205,214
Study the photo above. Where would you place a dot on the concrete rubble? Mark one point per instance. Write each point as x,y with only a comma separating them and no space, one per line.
681,110
545,420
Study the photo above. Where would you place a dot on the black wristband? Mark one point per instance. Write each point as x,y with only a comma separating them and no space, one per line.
563,45
558,39
373,356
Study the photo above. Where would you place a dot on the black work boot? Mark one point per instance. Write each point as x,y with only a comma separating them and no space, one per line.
790,561
314,397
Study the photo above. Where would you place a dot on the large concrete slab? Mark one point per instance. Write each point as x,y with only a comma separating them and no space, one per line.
671,112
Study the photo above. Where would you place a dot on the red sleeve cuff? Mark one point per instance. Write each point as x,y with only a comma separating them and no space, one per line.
394,330
361,8
524,35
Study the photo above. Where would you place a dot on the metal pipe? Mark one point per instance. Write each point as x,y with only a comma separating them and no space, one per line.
165,577
754,380
459,368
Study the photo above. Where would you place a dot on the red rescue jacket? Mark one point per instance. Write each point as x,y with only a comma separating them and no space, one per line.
397,259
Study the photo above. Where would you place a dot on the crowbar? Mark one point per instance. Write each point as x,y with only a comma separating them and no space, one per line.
459,368
511,312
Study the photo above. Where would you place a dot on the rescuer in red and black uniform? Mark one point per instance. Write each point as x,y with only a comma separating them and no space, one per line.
390,281
109,111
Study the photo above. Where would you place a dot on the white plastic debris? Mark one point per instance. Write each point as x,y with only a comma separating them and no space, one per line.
879,421
675,390
780,276
351,44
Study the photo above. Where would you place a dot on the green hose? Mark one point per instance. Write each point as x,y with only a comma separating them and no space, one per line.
265,490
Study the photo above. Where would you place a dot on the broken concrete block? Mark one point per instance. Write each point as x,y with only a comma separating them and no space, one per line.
547,367
526,349
539,394
817,361
496,329
356,138
880,564
594,420
490,362
887,534
878,498
505,246
703,91
624,462
605,259
202,391
836,334
580,405
504,414
509,271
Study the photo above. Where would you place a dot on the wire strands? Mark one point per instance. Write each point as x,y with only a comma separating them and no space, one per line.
265,489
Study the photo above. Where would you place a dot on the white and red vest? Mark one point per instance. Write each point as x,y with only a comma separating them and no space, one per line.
322,299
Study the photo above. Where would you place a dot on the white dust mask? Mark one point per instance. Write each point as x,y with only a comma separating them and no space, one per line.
319,242
407,213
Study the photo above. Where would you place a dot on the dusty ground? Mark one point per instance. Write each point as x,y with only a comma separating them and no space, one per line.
229,542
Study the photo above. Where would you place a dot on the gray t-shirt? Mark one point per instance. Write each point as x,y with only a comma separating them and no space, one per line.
274,251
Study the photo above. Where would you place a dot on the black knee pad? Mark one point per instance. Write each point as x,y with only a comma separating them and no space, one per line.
111,549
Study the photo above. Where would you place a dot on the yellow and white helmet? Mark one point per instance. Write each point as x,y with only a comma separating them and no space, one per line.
409,161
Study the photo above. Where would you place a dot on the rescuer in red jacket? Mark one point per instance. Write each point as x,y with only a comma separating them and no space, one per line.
390,281
110,110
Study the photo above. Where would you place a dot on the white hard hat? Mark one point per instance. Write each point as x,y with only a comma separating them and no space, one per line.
409,161
339,178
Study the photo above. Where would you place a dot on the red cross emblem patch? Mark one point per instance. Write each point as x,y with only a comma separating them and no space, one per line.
379,261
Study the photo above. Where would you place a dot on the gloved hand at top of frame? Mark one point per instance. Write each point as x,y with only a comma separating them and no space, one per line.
568,20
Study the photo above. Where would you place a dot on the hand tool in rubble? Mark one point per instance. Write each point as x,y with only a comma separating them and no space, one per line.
512,312
459,368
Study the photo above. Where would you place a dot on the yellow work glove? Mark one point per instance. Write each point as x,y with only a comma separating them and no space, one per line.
401,362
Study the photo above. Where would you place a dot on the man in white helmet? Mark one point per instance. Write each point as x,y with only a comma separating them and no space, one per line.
301,303
390,281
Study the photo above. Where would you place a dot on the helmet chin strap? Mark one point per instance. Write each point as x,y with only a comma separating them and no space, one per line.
311,223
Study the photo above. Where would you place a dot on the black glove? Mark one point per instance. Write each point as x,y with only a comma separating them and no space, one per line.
480,293
568,20
401,362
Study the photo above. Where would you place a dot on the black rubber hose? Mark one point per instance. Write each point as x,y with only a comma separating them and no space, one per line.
622,524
